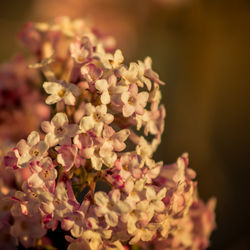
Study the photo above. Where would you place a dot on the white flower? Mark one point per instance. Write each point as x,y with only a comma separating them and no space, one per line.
144,234
155,200
117,59
129,75
74,222
133,101
61,91
105,208
61,204
102,86
59,131
94,234
44,174
105,58
95,119
32,150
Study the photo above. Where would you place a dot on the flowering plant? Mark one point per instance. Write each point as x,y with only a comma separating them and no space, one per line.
88,174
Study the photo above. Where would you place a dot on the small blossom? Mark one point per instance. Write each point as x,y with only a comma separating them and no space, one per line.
81,50
59,131
133,102
102,87
95,119
105,208
155,200
32,150
61,91
68,156
27,230
91,72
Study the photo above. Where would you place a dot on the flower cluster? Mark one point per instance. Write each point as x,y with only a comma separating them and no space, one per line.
89,171
20,100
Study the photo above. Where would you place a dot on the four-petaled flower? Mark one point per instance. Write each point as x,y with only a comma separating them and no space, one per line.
59,131
61,91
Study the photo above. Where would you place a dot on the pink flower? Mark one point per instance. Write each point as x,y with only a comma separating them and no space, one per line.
27,230
91,72
68,156
81,50
133,102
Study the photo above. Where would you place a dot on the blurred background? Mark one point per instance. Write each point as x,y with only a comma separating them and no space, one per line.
201,50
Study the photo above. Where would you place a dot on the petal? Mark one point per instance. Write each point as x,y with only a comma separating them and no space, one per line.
90,72
87,152
46,126
105,97
87,123
51,139
161,194
98,128
118,58
59,120
150,193
101,109
89,109
133,89
122,135
107,118
159,206
96,163
147,235
53,99
52,87
110,159
115,195
128,110
142,98
33,138
125,96
142,205
111,218
76,231
22,146
76,91
106,148
69,99
101,199
131,224
101,85
42,147
71,130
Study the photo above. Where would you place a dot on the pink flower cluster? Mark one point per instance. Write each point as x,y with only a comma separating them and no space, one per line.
20,100
90,170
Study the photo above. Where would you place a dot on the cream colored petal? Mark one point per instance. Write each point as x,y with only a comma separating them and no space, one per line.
33,138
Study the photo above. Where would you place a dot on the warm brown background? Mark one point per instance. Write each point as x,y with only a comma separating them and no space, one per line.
201,49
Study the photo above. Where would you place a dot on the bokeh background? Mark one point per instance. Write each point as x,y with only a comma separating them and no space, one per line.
201,50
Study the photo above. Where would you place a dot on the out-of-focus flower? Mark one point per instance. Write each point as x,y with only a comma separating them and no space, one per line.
20,100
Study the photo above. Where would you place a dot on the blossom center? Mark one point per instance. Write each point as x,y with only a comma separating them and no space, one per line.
46,174
131,100
62,92
97,117
34,152
59,130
